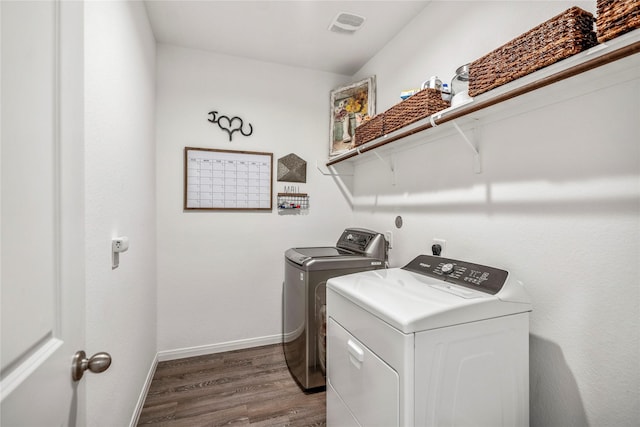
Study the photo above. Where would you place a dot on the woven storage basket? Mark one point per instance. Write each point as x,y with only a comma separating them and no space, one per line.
616,17
418,106
369,130
558,38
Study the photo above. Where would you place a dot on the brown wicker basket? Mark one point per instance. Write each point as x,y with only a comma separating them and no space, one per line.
558,38
370,130
418,106
616,17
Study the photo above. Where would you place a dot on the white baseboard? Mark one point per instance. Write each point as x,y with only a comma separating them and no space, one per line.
143,393
201,350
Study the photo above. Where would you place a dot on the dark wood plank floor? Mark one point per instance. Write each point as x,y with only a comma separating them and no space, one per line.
250,387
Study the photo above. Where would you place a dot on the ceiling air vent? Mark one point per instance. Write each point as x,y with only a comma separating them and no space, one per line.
346,23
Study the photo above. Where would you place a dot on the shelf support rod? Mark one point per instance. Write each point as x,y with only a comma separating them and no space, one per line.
389,165
331,173
477,167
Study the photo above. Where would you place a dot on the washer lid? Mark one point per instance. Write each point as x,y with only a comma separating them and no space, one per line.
328,258
321,252
413,302
303,255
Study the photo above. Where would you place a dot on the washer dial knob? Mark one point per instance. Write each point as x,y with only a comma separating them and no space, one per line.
447,268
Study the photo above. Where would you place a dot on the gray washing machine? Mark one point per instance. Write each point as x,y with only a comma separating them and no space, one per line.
305,277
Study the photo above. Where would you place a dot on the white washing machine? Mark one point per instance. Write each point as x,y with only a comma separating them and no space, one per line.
439,342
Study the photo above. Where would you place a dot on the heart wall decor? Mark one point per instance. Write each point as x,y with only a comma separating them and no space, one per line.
230,125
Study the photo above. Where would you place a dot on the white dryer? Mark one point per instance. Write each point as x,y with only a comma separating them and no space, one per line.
439,342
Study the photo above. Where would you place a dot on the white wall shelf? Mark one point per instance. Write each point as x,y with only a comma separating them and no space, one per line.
602,66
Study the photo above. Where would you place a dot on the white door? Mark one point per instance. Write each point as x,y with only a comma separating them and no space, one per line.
42,217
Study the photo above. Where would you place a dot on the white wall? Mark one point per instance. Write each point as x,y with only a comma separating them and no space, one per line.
557,204
120,200
220,272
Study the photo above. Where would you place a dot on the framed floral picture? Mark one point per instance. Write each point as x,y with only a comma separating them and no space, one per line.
350,105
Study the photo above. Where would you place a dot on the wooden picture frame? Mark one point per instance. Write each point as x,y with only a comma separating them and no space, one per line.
217,179
349,106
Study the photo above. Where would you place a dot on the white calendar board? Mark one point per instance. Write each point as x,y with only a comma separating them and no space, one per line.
225,179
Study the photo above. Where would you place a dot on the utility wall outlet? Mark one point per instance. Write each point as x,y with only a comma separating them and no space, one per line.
389,236
442,243
118,245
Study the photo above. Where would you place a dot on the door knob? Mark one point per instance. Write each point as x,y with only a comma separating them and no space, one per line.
97,363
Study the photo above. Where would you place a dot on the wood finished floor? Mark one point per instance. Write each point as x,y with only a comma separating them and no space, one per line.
250,387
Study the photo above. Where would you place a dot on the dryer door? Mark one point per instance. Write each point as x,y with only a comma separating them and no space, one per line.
367,385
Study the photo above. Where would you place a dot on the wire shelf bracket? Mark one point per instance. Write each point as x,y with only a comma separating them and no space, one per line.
389,164
477,165
331,173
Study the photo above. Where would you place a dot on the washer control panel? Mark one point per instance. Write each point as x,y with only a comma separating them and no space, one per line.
363,241
474,276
